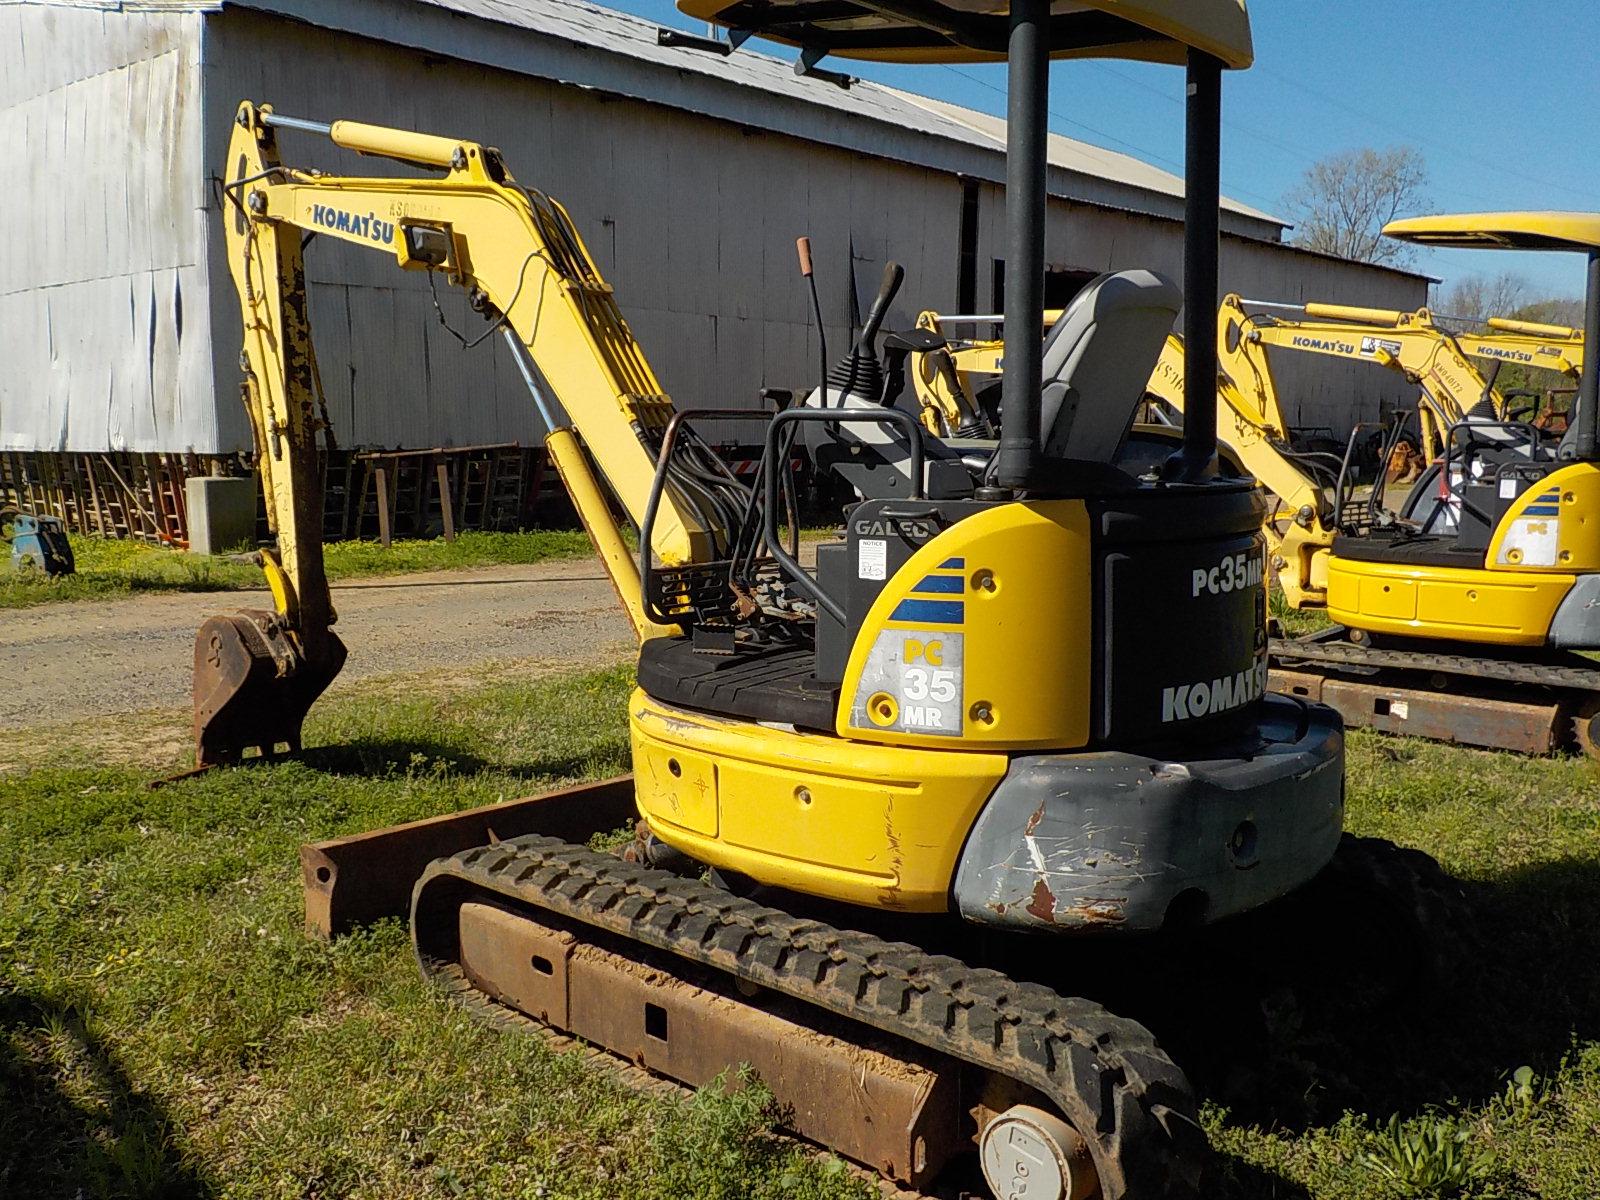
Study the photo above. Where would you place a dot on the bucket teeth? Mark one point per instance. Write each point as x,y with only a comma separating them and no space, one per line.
253,685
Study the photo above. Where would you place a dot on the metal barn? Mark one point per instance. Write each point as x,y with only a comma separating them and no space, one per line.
689,174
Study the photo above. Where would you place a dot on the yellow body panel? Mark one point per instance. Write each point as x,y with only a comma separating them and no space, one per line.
1496,607
1501,230
1005,594
1552,527
872,825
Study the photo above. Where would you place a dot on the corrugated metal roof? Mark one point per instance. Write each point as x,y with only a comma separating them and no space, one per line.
896,124
623,33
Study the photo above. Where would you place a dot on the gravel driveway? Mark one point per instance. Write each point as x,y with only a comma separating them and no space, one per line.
60,662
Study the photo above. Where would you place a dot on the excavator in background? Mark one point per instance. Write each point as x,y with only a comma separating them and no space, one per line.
955,379
1556,348
1465,613
1449,626
1410,343
958,721
1537,346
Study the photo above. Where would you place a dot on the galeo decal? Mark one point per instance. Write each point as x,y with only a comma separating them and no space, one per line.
911,528
366,225
1186,701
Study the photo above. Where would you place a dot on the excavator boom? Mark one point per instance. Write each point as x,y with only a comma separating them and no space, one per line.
525,268
1407,342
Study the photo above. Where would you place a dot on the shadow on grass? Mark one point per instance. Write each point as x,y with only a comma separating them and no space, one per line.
376,757
72,1123
1291,1017
1312,1007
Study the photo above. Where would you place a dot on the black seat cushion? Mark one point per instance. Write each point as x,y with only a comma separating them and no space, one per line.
1419,550
765,683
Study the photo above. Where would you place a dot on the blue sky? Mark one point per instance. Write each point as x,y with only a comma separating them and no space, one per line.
1497,94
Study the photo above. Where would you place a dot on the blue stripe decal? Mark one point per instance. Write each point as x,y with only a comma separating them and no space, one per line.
953,564
944,585
1542,510
930,612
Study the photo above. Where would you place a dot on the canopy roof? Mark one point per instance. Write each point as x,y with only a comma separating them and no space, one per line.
1502,230
976,30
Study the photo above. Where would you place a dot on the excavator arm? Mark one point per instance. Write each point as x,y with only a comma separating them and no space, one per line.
1407,342
524,267
1529,344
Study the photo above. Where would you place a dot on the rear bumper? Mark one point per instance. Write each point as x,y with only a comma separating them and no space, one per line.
1120,842
1576,625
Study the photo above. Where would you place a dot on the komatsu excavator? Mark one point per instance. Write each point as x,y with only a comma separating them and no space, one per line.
1449,627
954,376
1411,343
962,715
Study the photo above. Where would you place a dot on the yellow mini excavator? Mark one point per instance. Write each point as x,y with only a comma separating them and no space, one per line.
1449,625
959,719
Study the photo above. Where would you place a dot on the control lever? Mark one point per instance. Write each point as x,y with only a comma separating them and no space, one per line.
893,276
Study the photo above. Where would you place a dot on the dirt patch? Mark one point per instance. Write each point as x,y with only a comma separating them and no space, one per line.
67,662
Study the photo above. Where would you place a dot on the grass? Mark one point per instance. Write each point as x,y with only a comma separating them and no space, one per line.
167,1031
108,569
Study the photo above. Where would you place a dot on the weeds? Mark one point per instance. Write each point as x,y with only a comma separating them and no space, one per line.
1429,1156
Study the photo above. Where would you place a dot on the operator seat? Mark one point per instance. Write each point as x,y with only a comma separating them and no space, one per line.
1098,359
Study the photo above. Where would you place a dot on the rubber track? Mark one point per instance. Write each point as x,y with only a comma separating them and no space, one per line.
1104,1073
1346,653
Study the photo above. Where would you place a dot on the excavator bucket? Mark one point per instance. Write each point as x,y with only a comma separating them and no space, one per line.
253,685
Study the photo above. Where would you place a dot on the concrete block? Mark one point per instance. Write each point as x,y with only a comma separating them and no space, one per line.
222,514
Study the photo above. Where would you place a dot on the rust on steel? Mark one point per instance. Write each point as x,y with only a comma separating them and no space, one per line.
253,686
882,1102
353,881
1522,725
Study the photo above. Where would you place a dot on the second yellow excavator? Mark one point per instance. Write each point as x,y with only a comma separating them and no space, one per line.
1464,615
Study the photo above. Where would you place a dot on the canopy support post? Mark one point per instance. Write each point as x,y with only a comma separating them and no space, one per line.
1201,207
1027,102
1588,401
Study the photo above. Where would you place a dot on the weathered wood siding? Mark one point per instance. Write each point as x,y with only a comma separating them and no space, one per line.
118,324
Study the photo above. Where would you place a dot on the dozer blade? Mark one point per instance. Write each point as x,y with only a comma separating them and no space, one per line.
253,685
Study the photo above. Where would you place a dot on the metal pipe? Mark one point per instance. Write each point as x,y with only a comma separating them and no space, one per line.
1533,328
519,354
1028,56
1202,201
278,121
1588,403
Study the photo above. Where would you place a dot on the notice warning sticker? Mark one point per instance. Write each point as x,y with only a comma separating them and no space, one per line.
872,559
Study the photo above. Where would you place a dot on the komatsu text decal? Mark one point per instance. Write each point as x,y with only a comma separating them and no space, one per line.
1484,350
1315,343
1189,700
366,225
